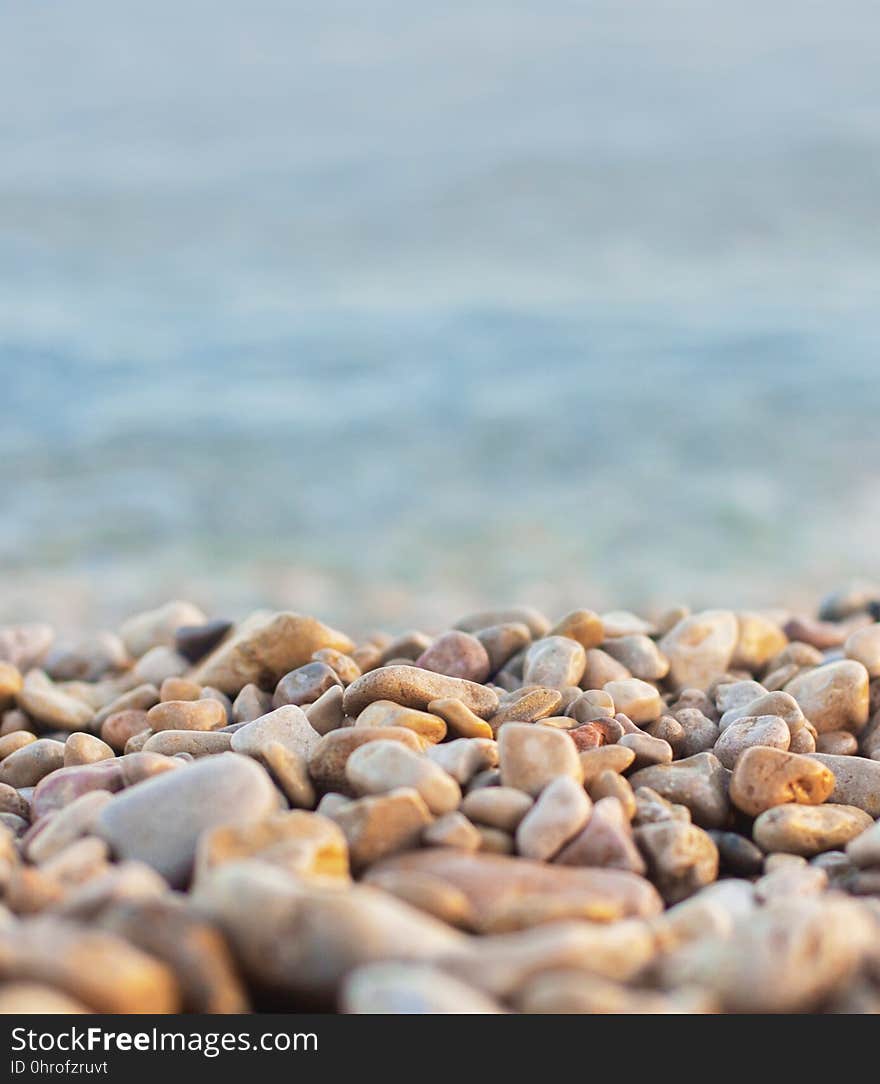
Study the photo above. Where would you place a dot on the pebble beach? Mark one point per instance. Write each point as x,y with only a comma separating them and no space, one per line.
519,813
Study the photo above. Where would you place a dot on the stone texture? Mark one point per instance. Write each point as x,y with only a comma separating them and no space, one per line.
330,754
559,814
28,765
605,841
457,654
382,824
47,702
413,687
554,662
186,715
305,684
379,767
834,696
638,700
497,807
404,989
856,781
681,857
809,829
383,713
758,730
700,648
699,783
530,757
287,725
765,777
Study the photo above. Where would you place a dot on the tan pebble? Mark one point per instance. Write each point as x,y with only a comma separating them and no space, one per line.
460,720
27,766
856,781
554,662
759,640
681,857
652,807
198,743
43,700
737,694
383,824
601,668
491,777
290,771
700,782
287,724
464,757
75,820
496,807
777,703
647,750
141,698
306,844
803,742
531,756
615,758
822,635
457,654
800,882
809,829
412,687
382,713
864,849
367,657
608,784
863,646
406,647
13,722
346,669
667,729
573,991
178,688
85,749
502,642
495,840
155,628
158,664
536,622
766,777
529,708
763,730
582,625
640,655
834,696
452,830
637,699
18,739
329,756
591,704
11,801
136,742
186,715
326,713
265,647
34,997
250,704
305,684
560,812
380,767
10,683
700,648
837,743
605,841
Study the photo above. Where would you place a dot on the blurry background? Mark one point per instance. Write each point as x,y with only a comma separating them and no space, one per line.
386,310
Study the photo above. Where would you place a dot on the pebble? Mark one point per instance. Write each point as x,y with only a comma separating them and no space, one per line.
159,664
457,654
611,785
578,992
502,642
265,647
250,704
47,702
615,758
647,750
460,720
384,713
413,687
737,854
601,668
834,696
606,840
330,754
625,623
29,764
760,639
508,893
25,645
305,684
532,756
290,771
102,971
196,640
10,683
700,648
186,715
529,708
640,655
37,998
379,767
585,626
54,833
494,840
636,699
863,646
560,812
382,824
497,807
681,857
287,725
85,749
554,662
836,743
809,829
761,730
159,822
463,758
326,713
13,802
141,698
452,830
198,743
157,628
766,777
18,739
699,782
311,936
856,781
864,849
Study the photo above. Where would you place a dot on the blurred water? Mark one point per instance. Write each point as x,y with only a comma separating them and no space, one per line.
384,310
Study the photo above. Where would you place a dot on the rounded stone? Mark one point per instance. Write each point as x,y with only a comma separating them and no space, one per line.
186,715
699,782
554,662
647,750
640,655
412,687
305,684
497,807
615,758
502,642
384,713
160,820
532,756
765,777
809,829
330,754
379,767
700,647
605,841
636,699
760,730
582,625
863,646
834,696
28,765
561,811
83,748
856,781
456,654
681,858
